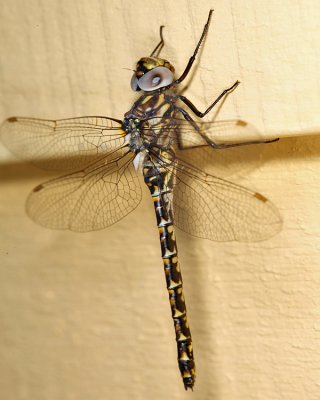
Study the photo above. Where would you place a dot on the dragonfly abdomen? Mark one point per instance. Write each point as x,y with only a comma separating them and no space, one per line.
177,303
161,192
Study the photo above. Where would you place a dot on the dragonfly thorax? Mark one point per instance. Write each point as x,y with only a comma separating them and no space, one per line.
136,142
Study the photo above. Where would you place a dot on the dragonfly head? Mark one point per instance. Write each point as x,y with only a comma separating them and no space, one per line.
152,73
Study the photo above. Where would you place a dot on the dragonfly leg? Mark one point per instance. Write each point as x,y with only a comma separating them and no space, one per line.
220,145
193,57
228,145
159,46
200,114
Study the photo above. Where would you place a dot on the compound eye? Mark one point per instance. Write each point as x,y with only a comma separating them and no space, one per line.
155,79
134,83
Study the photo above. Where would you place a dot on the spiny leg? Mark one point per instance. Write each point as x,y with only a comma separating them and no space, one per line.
200,114
228,145
221,96
220,145
193,57
159,46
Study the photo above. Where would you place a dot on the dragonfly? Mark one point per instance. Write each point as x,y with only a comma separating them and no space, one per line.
103,158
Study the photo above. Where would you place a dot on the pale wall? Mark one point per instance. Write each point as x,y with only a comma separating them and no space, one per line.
86,316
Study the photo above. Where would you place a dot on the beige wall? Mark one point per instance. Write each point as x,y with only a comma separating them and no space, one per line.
86,316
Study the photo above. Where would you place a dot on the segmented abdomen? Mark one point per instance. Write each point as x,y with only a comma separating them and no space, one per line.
157,178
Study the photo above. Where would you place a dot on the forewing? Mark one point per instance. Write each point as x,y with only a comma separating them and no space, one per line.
188,138
91,199
209,207
192,134
62,144
189,134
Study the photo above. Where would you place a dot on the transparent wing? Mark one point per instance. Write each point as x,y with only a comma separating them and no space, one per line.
188,139
91,199
62,144
190,134
209,207
228,131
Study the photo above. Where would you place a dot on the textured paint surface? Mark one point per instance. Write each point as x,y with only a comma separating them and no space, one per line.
77,321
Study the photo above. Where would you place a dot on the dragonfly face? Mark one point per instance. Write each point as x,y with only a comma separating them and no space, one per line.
152,73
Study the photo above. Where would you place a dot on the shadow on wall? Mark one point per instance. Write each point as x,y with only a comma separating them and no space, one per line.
247,157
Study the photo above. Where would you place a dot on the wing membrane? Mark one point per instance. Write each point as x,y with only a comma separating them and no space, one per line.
227,131
209,207
90,199
190,145
108,189
190,134
62,144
